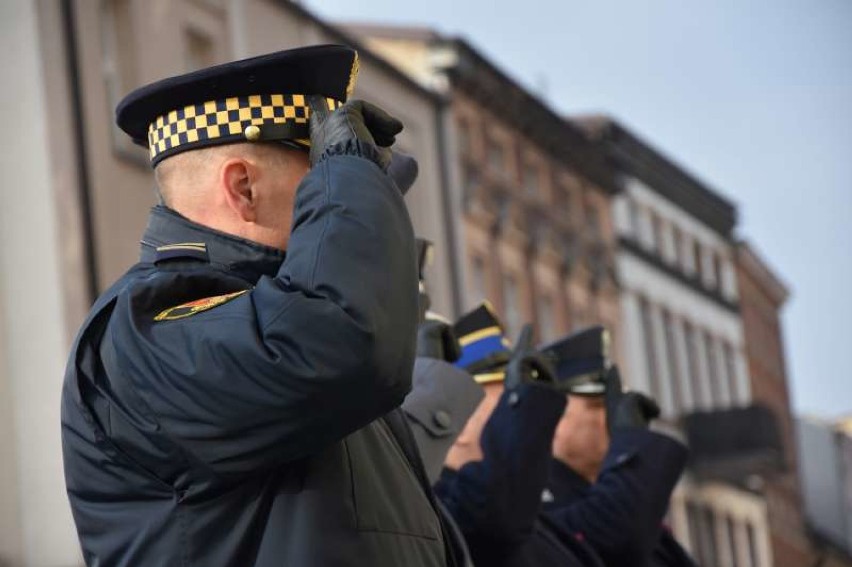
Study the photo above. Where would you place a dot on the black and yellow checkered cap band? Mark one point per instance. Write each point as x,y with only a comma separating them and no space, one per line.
244,118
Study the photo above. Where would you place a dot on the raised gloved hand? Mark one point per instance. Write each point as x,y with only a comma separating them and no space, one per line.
356,122
527,364
627,410
436,339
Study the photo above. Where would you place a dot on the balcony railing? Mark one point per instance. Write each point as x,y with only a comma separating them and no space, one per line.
734,444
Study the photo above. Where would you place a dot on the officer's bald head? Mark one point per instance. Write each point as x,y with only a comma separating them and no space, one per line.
245,189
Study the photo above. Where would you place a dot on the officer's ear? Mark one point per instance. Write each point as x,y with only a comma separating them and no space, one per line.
236,180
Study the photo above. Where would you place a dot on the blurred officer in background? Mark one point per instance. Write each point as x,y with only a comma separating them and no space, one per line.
225,404
498,467
443,397
611,478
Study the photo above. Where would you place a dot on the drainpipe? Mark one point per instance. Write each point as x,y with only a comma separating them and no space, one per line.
441,114
79,126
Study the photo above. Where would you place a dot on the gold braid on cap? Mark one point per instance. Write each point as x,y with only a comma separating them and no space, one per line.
353,75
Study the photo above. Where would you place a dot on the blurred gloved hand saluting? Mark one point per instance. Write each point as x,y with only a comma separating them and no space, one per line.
527,365
627,410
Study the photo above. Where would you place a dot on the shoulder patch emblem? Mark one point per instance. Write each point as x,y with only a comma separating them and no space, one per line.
197,306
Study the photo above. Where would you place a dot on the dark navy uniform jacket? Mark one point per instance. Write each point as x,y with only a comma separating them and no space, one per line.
621,514
257,428
496,501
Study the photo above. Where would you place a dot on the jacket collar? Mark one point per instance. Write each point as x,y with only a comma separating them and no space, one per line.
170,235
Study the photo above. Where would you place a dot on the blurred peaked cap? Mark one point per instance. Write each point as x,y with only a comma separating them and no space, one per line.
484,347
580,353
258,99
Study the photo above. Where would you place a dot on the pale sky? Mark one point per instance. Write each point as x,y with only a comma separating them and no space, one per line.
753,97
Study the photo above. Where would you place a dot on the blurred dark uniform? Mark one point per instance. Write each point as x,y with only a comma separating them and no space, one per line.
439,405
227,405
620,515
496,501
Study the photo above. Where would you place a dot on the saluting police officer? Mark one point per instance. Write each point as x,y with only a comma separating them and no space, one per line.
225,402
611,477
496,471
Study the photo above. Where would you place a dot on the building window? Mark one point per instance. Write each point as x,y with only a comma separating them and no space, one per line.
650,351
699,260
694,526
672,359
562,201
731,543
702,533
532,181
471,182
635,219
464,137
677,244
717,270
691,338
730,370
593,220
511,306
712,368
753,554
496,157
656,233
688,254
546,318
708,537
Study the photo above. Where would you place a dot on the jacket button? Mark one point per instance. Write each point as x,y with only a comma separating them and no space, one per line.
442,419
513,399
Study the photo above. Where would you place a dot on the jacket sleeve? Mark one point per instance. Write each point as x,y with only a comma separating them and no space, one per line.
442,399
496,500
305,357
621,514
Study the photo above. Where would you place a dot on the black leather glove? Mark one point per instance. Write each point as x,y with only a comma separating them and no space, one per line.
627,410
436,339
349,128
527,364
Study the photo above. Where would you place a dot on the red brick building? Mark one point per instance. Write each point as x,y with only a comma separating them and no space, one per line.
762,295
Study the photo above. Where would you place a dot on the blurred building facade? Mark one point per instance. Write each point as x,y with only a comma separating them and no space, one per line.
530,198
691,300
684,334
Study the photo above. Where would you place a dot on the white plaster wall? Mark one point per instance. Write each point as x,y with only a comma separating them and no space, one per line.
690,227
30,284
638,277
